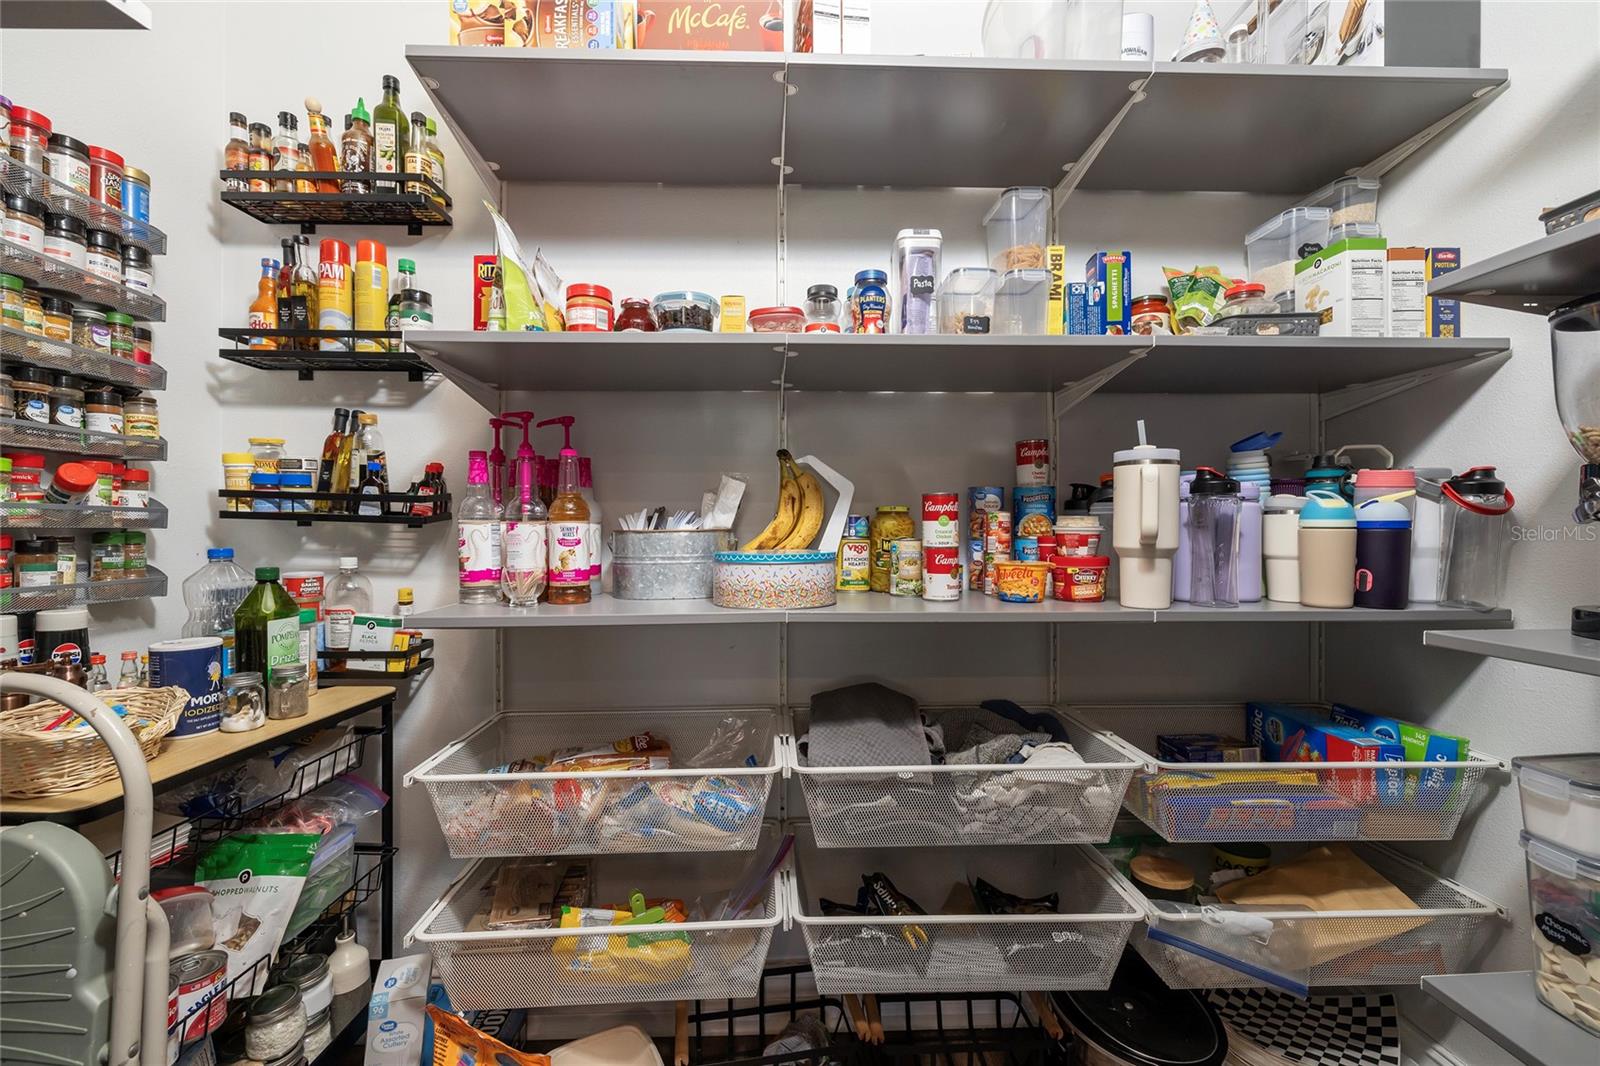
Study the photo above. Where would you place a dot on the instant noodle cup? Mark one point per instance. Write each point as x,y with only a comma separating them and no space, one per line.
1020,582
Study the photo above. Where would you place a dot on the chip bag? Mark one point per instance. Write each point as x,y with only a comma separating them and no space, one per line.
525,302
455,1042
1196,295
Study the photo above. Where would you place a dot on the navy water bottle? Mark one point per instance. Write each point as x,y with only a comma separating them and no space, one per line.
1383,553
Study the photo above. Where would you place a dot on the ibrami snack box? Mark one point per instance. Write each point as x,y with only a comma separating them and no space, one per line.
1347,283
1443,313
1408,287
1055,322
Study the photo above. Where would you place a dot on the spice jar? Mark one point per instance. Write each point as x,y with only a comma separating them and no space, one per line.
89,330
71,484
1152,315
265,483
134,489
5,479
265,452
135,559
822,304
136,272
141,345
588,309
105,176
107,552
30,385
24,223
1247,298
30,137
7,574
104,257
11,295
66,239
8,398
26,465
33,312
288,693
105,493
26,488
66,560
277,1024
67,161
140,418
635,316
120,327
55,319
35,563
102,408
66,401
244,702
136,193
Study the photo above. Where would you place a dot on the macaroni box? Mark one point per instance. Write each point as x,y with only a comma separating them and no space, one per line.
1287,734
1347,284
1408,289
1443,314
1109,276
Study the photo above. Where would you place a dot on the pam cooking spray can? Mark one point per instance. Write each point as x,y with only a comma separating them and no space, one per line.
335,300
371,287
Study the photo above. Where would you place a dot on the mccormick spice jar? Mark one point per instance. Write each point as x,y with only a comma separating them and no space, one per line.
105,176
134,490
67,160
35,563
66,239
134,559
120,328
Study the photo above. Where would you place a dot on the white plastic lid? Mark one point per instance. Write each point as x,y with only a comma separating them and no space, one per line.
919,238
1560,776
1353,231
1559,860
348,562
1339,189
1144,453
1283,502
968,281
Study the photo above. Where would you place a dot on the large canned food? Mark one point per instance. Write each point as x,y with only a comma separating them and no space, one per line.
941,519
905,567
891,523
1034,508
1033,462
982,501
941,573
199,979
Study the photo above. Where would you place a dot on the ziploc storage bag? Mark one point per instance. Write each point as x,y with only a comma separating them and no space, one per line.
1428,789
1286,734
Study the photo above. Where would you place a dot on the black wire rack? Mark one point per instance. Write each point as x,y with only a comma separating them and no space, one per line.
408,207
416,661
395,508
300,351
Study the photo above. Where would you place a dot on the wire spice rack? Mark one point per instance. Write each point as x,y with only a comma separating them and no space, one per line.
16,600
17,345
414,662
19,178
48,272
20,433
410,207
18,514
307,361
299,507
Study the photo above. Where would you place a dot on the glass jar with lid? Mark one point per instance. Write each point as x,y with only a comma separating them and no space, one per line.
266,453
66,401
90,330
889,524
288,691
30,137
1247,298
135,554
66,239
24,224
635,316
136,272
120,328
11,290
140,416
30,387
102,409
104,258
822,304
277,1023
244,702
55,319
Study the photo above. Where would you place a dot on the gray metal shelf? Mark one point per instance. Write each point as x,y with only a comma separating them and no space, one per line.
1503,1007
863,607
81,15
723,118
741,362
21,347
1537,277
1557,649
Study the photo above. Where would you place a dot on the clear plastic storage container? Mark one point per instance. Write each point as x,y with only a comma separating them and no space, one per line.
1564,898
188,911
1021,302
966,300
1052,29
1017,228
1348,200
1272,249
1561,799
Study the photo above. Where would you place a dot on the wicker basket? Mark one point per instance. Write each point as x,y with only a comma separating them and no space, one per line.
35,761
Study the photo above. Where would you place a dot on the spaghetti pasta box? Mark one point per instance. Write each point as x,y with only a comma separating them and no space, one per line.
1286,734
1443,314
1108,275
1078,308
1426,788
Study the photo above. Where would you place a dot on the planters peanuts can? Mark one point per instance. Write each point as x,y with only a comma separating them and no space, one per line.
194,664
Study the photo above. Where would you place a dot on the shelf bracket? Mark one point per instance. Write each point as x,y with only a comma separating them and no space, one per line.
1073,393
1396,155
1077,169
487,396
1355,397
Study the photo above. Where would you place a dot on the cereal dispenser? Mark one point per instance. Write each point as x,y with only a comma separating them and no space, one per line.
1575,351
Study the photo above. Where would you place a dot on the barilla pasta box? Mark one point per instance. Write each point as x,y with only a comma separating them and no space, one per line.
1078,308
1286,734
1109,276
1429,789
1443,314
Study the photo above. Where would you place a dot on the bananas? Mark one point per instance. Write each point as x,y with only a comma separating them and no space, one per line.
811,509
799,515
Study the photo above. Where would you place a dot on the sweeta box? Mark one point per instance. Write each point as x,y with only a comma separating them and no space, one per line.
1286,734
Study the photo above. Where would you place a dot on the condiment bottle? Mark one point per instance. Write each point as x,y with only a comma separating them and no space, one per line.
266,626
416,158
435,163
371,296
236,155
303,288
324,156
390,133
1327,550
524,540
330,456
405,278
569,526
260,157
286,151
355,148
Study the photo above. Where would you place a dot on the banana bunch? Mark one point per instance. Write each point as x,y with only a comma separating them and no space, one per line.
800,509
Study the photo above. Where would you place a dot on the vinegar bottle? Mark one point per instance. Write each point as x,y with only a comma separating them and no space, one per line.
569,527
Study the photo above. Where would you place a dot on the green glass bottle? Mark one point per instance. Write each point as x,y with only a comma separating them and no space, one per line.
266,626
390,133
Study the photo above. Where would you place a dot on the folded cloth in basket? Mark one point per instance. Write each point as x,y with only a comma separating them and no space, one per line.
865,725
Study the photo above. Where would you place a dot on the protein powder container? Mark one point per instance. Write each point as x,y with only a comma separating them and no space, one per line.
62,636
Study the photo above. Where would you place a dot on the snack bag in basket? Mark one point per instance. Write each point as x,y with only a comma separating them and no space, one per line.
455,1042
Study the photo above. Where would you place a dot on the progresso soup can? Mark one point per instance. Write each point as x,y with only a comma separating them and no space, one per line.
194,664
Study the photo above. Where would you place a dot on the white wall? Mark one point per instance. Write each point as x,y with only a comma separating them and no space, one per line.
1479,187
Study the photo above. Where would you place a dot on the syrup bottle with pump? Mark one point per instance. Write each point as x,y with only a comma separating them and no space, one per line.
524,537
524,419
569,526
497,459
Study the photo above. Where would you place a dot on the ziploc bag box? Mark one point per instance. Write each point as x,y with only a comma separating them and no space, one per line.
1425,788
1286,734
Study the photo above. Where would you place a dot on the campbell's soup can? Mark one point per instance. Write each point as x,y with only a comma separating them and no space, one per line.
1033,462
941,520
941,573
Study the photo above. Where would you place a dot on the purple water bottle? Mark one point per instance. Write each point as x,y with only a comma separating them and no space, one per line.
1250,543
1180,561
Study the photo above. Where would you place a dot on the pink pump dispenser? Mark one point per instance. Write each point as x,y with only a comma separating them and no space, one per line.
497,458
569,535
525,527
525,452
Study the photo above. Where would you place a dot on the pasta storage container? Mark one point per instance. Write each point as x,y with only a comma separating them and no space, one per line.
1017,229
1295,801
966,301
1272,249
1021,301
1077,947
496,792
1427,925
1564,898
1348,200
486,968
1050,799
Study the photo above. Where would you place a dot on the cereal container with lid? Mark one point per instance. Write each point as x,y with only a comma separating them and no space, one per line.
685,309
1272,249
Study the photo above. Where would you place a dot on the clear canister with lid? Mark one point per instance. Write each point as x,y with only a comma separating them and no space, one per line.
66,401
67,160
288,691
30,137
66,239
24,222
966,300
244,702
822,304
276,1024
90,330
266,452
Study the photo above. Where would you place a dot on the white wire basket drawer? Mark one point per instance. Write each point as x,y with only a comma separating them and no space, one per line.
712,799
1075,949
1323,948
1300,801
490,970
972,803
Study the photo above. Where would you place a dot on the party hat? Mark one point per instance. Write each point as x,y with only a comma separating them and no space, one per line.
1202,41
